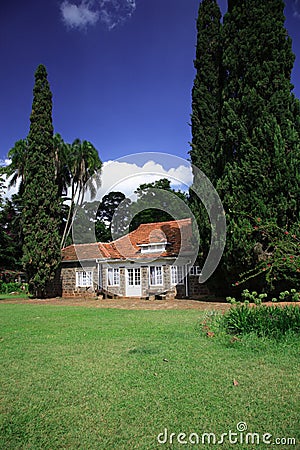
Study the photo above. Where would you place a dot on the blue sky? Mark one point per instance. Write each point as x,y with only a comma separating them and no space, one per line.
121,71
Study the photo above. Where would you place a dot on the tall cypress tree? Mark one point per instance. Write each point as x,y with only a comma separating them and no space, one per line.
41,204
259,139
206,93
246,137
206,106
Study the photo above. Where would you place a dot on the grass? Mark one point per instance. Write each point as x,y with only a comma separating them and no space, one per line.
88,378
8,296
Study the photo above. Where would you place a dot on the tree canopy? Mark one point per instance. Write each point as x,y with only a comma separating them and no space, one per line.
41,204
156,202
254,158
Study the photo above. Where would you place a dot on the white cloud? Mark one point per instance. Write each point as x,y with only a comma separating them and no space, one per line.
109,12
4,162
78,16
127,177
9,192
4,191
296,11
115,12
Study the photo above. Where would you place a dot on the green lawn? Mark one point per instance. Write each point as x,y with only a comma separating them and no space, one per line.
88,378
10,296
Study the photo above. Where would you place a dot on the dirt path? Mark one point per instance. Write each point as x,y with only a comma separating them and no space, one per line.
131,303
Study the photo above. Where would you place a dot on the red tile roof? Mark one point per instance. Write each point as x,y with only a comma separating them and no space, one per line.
81,252
177,233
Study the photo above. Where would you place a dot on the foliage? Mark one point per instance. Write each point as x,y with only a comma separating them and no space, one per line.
62,152
16,169
108,205
254,297
260,144
7,288
9,239
276,254
290,296
112,204
121,219
10,223
78,167
165,203
272,321
249,297
1,189
206,107
41,205
117,215
255,157
102,232
206,93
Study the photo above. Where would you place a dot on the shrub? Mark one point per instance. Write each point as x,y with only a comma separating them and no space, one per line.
254,297
270,321
276,254
7,288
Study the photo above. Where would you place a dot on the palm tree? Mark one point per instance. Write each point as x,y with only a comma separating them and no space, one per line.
84,167
1,189
77,166
16,169
62,171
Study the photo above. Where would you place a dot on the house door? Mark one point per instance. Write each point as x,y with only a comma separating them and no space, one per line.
133,282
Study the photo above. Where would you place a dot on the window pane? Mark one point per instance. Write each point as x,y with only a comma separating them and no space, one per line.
84,279
156,275
173,275
109,277
137,274
116,276
152,275
180,274
177,274
130,277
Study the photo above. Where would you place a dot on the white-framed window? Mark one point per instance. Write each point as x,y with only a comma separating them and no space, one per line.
84,278
195,271
134,277
153,248
113,276
177,275
156,276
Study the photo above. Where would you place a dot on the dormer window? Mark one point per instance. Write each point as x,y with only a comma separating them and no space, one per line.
153,247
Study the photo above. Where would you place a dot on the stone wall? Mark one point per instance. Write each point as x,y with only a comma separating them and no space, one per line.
145,287
196,290
145,280
65,283
68,280
166,290
113,290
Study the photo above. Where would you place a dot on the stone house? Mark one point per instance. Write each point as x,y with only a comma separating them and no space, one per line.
153,261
